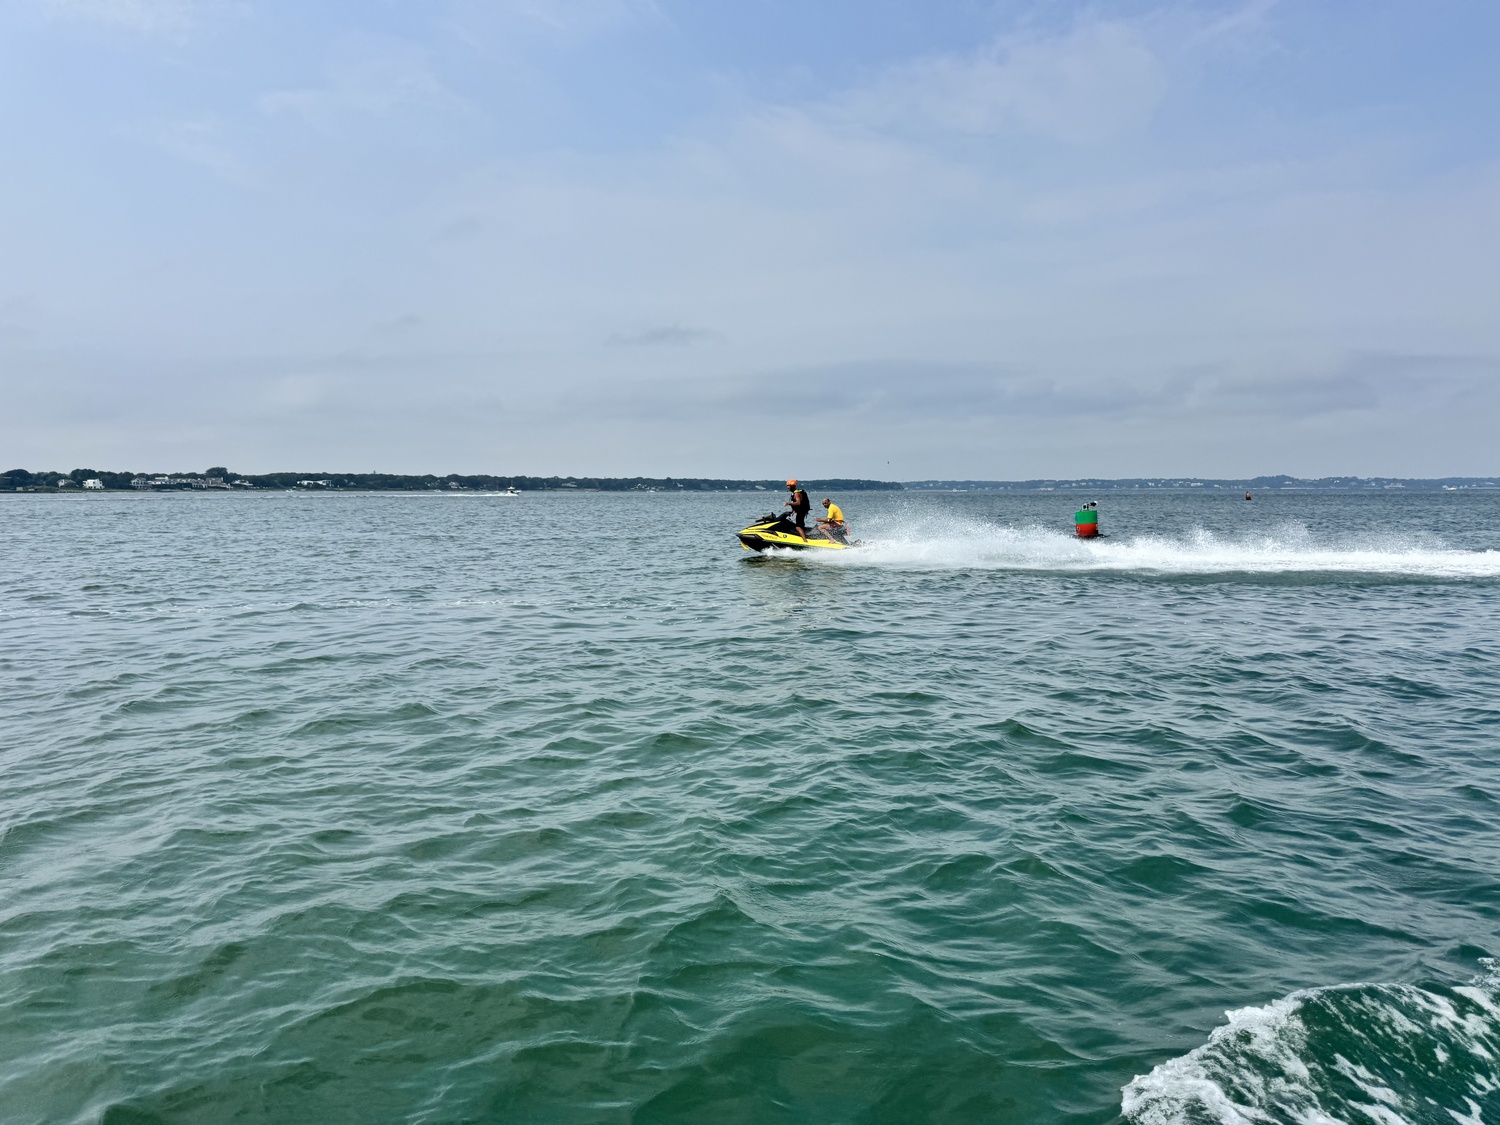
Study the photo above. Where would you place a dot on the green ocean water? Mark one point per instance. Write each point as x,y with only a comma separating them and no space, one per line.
561,808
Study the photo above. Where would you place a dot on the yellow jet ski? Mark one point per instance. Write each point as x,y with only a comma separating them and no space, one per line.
780,531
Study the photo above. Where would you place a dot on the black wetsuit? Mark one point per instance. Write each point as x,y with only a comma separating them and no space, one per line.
800,505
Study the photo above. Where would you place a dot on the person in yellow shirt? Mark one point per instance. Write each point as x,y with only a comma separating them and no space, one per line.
833,524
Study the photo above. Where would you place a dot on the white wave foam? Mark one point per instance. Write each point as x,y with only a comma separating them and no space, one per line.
1391,1054
1290,549
1169,1094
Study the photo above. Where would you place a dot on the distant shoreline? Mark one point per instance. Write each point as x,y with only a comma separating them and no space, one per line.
1211,484
221,480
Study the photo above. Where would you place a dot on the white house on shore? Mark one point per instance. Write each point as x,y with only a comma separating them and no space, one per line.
93,482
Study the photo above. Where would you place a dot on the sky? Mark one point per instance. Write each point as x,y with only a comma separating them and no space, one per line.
751,238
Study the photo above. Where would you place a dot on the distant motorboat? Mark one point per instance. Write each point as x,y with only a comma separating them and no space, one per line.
511,491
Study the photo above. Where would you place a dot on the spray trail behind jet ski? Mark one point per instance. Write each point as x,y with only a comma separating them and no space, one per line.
955,544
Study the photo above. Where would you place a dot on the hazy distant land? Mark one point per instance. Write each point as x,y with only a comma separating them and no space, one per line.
221,479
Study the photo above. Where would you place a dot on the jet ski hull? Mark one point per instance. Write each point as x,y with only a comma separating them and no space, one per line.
771,532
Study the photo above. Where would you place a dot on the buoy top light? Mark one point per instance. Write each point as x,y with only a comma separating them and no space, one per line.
1086,520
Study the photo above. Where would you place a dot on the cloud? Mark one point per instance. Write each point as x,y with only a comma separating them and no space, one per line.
1095,82
917,393
465,228
146,16
1392,383
577,16
198,142
169,19
566,20
665,335
370,76
1380,413
1111,220
16,317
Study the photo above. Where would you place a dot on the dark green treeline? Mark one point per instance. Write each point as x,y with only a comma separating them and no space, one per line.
220,477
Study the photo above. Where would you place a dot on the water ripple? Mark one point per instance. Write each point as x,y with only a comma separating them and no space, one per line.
373,808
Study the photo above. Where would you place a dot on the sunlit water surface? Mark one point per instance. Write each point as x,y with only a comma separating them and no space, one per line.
561,808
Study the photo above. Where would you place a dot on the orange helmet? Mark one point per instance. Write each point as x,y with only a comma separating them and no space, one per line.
791,484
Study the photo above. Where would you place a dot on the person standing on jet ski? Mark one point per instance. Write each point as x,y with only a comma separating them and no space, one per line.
799,504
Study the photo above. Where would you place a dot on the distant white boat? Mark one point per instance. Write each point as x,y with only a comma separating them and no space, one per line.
511,491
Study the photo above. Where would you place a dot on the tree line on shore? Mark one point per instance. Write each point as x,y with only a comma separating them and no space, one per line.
221,477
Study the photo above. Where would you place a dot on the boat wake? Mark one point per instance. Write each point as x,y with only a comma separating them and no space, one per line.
1396,1054
1289,549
